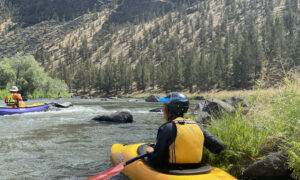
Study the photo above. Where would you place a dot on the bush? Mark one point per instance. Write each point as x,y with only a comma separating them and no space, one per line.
31,79
294,162
3,93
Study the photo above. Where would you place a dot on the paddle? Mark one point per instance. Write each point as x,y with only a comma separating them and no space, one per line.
115,170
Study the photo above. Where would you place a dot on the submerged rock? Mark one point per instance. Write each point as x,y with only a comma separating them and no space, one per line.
156,110
61,105
117,117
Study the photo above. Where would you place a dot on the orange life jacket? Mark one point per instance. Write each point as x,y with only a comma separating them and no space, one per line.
13,100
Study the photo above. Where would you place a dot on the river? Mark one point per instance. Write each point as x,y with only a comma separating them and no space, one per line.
65,143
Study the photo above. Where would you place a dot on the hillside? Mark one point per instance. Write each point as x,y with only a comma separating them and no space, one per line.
229,44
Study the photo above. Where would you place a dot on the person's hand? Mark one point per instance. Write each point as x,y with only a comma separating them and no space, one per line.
149,150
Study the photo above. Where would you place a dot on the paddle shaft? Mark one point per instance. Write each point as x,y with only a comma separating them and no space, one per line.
115,170
136,158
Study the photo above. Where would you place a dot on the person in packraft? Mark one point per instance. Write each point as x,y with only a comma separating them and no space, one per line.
13,99
180,141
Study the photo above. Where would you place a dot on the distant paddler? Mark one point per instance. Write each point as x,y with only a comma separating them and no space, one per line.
13,99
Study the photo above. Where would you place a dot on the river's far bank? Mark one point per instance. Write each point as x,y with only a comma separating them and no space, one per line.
221,94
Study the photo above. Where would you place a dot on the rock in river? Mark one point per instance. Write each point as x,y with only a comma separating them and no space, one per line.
151,98
117,117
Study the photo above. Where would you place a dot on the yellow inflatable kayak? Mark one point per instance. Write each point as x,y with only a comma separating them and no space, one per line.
139,170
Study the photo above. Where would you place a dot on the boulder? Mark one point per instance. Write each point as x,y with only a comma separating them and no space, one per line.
156,110
216,106
151,98
212,107
203,117
233,101
200,106
273,166
117,117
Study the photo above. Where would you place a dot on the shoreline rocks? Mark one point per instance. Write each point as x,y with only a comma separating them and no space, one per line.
273,166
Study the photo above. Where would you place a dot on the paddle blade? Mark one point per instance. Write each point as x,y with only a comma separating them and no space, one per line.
109,173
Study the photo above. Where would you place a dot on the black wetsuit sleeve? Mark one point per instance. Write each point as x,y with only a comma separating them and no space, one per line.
165,137
211,142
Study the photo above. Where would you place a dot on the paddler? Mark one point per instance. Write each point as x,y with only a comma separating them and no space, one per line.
180,140
13,99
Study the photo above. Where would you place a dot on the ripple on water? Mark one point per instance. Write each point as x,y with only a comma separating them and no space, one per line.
66,144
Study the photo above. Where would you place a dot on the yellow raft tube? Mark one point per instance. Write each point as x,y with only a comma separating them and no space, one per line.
139,170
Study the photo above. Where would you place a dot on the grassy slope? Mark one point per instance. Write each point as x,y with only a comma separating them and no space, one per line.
272,124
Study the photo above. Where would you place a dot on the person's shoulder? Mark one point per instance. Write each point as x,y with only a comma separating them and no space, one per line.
17,95
167,125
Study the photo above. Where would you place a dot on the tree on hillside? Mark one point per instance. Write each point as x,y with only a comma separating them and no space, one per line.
189,57
142,75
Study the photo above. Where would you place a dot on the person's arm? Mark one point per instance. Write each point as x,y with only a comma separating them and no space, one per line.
165,137
211,142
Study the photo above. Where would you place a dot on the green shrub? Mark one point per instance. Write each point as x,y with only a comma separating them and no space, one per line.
294,159
31,79
3,93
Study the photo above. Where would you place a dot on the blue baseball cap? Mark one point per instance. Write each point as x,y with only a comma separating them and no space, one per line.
172,97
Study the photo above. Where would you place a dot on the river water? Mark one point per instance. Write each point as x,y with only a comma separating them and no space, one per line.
65,143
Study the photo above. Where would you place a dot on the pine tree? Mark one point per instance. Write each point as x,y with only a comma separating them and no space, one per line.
188,68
